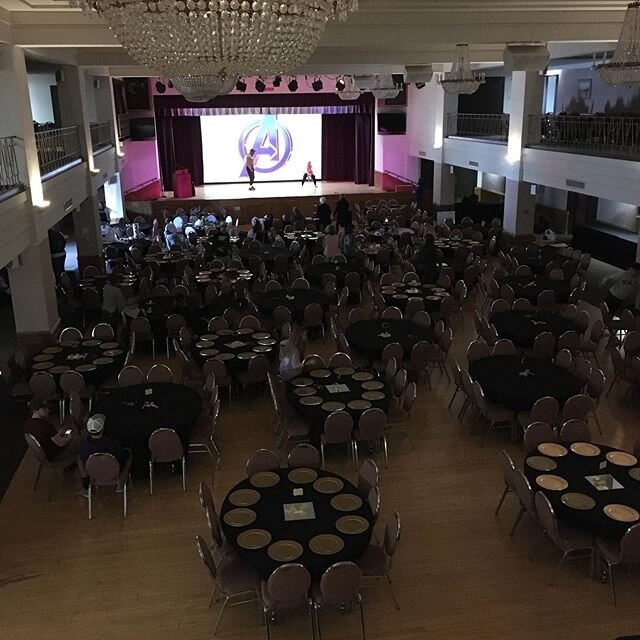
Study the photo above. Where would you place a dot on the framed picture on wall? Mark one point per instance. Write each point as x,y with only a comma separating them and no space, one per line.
584,88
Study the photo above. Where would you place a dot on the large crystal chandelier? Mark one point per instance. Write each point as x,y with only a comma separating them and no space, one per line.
624,68
461,78
220,39
202,88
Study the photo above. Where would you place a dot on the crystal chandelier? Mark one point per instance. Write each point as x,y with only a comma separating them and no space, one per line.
461,78
218,38
624,68
202,88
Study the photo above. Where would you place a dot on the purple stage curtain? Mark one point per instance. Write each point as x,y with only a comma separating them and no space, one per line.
179,147
338,147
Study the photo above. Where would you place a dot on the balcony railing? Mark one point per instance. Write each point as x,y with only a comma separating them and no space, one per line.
124,130
57,148
9,171
100,135
617,136
493,127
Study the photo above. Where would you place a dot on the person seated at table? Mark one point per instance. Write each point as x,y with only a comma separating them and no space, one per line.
331,243
296,215
108,234
426,261
256,232
97,442
348,243
57,443
290,354
623,288
113,302
278,242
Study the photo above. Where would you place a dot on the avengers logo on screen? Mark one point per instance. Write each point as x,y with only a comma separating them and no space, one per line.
272,142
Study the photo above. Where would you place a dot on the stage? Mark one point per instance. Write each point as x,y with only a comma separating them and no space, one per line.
275,198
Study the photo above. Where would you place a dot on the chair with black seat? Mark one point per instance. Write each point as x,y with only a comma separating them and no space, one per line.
43,385
165,446
130,375
175,322
202,437
255,377
74,381
70,335
103,470
262,460
626,553
19,391
102,331
140,333
160,373
574,430
44,462
536,434
337,429
304,455
371,429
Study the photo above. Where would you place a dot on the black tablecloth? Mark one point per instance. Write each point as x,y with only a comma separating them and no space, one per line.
398,294
314,272
270,517
220,342
573,468
449,247
316,415
293,299
85,353
522,327
500,379
530,287
537,264
266,254
177,407
364,336
221,303
157,310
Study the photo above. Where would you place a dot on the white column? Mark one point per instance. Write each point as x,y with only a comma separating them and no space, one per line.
33,292
86,222
525,101
445,107
17,119
444,185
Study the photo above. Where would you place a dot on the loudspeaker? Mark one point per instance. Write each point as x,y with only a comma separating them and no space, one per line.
96,83
525,56
59,75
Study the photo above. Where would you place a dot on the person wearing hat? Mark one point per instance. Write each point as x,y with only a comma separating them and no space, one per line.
57,443
97,442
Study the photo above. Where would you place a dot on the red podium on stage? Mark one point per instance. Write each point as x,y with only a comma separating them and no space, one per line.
182,185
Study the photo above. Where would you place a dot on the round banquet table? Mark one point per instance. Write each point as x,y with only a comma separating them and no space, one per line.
573,468
95,359
370,337
226,275
448,246
522,327
296,300
235,348
517,382
537,264
157,310
223,301
269,510
314,272
316,414
310,238
530,287
266,254
134,413
398,294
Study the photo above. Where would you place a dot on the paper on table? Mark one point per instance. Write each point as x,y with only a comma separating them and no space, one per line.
299,511
236,344
337,388
605,482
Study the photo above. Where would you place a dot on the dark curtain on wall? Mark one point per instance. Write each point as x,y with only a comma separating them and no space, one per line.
339,147
347,130
179,147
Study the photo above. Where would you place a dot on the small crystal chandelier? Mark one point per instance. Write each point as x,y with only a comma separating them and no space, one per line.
203,88
461,78
219,38
624,68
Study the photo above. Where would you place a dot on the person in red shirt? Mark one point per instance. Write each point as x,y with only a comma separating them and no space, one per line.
309,175
57,444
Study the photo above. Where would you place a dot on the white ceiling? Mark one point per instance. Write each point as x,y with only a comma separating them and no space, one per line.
383,35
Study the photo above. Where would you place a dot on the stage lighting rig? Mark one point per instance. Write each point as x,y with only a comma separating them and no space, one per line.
293,85
317,84
160,87
169,84
241,85
260,85
340,84
277,81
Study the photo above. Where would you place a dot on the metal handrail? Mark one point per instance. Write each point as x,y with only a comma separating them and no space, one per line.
100,135
124,130
9,170
57,148
487,126
610,135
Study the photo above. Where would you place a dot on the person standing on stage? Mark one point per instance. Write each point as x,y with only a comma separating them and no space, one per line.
309,175
250,166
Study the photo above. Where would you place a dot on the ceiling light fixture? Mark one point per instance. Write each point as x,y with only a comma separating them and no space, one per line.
218,37
340,84
623,70
293,85
160,87
197,88
241,85
277,81
461,79
317,84
260,85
